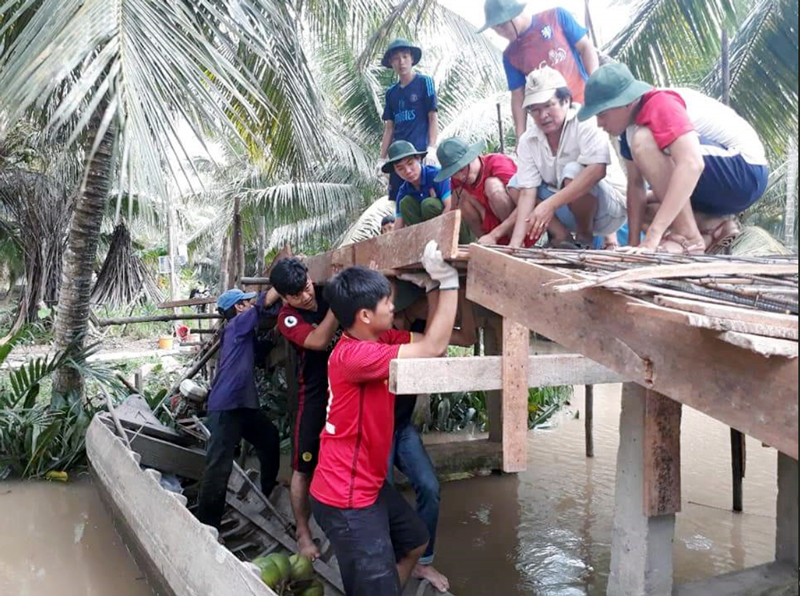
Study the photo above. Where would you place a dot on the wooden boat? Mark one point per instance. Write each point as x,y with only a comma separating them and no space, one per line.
179,555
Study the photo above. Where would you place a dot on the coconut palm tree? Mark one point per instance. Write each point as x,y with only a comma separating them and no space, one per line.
119,75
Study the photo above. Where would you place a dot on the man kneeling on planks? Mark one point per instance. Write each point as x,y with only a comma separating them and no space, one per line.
234,412
704,163
307,322
376,535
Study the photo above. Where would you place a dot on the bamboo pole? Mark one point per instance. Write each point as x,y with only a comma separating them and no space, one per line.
157,319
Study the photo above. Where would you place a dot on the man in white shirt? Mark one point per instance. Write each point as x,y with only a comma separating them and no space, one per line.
570,182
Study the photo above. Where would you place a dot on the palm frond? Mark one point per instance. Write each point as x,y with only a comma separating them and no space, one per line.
764,67
672,42
369,224
154,64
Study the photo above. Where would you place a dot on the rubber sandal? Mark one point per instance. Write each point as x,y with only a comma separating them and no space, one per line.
687,248
722,237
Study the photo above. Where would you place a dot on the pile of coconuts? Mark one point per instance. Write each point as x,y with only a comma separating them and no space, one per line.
289,575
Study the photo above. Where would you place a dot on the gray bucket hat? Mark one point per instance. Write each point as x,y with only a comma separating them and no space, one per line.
399,151
501,11
612,86
401,44
456,154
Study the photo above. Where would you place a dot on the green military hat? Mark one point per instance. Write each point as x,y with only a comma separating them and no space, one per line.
501,11
612,86
399,151
456,154
401,44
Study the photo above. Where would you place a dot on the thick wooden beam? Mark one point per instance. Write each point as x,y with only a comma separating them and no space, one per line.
753,394
662,456
182,303
516,342
456,375
406,247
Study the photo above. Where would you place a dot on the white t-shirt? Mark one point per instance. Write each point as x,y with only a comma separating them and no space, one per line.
581,142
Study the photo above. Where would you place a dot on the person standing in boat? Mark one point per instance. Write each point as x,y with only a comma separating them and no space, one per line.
376,535
307,322
234,412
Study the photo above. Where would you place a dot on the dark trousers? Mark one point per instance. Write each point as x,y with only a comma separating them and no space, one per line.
228,428
369,542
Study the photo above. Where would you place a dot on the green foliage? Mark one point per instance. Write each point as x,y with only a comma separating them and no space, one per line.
35,437
469,411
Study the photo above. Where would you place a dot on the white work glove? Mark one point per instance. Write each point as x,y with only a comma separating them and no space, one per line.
438,269
421,280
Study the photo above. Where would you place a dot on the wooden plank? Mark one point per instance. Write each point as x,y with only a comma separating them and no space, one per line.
182,303
324,266
713,324
681,271
165,456
731,312
662,456
753,394
405,247
516,341
457,375
764,346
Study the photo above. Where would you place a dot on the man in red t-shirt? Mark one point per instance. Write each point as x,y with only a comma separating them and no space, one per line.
482,185
307,322
703,162
376,535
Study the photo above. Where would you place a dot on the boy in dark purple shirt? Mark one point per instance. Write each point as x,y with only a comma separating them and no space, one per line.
234,412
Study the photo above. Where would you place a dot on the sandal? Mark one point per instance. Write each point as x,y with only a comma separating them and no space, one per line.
720,239
686,247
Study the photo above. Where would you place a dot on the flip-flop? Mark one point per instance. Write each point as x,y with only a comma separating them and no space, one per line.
687,248
722,237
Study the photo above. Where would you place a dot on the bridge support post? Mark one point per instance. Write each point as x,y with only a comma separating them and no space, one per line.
786,543
647,494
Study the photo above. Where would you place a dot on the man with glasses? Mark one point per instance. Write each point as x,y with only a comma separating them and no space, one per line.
571,184
551,38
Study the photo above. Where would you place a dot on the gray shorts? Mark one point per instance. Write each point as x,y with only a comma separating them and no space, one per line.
612,211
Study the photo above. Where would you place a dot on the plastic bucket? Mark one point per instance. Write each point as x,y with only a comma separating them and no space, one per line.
165,343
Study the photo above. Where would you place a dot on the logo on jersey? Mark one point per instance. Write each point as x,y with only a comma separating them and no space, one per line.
307,457
558,56
414,98
547,32
291,322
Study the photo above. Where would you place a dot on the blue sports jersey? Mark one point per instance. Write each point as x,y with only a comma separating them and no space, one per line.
409,107
441,190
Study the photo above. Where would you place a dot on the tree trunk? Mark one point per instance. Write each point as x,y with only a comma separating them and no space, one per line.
174,275
76,282
237,248
223,265
262,246
790,220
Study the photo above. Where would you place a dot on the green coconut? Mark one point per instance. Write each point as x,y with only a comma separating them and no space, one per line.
271,575
284,565
302,569
315,589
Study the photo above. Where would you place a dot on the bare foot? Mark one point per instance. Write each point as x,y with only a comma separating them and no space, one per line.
308,548
436,579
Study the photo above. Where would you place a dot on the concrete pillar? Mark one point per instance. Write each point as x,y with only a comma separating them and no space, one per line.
641,546
786,543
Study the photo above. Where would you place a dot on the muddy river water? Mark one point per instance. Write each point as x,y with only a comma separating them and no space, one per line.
546,532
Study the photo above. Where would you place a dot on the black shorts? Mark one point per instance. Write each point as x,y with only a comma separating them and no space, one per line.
309,420
369,542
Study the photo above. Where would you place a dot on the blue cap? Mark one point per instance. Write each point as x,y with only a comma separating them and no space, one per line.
233,297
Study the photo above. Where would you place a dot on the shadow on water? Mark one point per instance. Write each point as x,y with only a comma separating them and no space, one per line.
547,532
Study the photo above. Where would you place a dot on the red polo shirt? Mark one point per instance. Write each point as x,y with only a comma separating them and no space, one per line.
357,439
